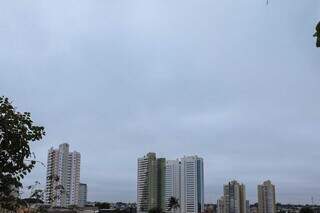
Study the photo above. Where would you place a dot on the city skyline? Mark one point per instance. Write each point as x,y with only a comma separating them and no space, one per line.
252,198
235,82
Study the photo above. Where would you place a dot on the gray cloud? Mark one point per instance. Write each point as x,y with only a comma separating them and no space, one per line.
234,82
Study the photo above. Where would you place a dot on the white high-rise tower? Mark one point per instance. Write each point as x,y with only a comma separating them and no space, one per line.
63,170
192,185
172,182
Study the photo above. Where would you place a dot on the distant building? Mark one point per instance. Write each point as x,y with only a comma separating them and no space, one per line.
83,191
248,206
173,182
220,205
234,198
192,185
150,184
63,169
266,198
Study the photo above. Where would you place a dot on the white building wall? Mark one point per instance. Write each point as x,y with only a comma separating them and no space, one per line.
173,182
66,166
74,178
142,185
192,186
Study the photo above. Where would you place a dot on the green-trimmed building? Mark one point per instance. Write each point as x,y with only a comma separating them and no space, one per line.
150,184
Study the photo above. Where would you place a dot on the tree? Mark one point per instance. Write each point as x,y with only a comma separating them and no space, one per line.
17,131
58,188
317,34
102,205
173,204
35,197
306,209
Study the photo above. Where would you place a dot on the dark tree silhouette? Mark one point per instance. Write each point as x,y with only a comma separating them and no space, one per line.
16,159
173,204
306,209
102,205
317,34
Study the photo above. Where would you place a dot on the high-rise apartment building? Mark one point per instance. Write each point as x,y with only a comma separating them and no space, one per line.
63,171
234,198
173,183
151,181
83,190
192,185
266,198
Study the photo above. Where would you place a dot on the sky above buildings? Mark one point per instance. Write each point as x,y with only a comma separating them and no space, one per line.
235,82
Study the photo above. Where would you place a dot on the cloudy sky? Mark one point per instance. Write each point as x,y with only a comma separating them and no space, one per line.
235,82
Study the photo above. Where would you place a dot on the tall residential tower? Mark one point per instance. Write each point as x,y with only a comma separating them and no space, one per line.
173,183
266,198
150,185
63,171
234,198
192,185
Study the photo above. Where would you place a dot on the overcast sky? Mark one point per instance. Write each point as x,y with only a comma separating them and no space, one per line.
234,81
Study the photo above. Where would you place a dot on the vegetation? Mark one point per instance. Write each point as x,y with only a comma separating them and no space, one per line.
173,204
317,34
17,131
102,205
306,209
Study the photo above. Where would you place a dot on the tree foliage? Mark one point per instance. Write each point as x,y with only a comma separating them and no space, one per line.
173,204
17,131
102,205
58,188
317,34
306,209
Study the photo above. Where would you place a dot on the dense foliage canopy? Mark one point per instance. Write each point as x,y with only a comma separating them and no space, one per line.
16,159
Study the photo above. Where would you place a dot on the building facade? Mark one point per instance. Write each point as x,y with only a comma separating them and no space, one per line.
150,183
266,198
63,177
83,191
192,185
234,198
159,180
172,183
220,205
248,206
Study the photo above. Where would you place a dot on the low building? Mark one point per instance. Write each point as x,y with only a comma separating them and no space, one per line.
83,191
